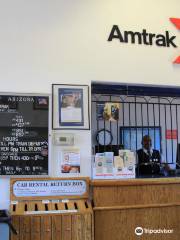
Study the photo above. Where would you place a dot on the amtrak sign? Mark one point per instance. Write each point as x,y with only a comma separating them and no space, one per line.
142,37
146,38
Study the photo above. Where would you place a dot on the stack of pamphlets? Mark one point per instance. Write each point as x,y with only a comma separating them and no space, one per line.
104,164
108,166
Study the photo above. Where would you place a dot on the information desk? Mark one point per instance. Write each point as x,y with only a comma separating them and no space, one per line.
122,206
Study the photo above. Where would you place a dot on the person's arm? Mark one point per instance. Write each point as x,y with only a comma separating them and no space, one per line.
164,164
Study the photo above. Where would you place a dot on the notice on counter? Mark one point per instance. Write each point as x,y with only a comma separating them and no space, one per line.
99,163
70,162
103,165
108,166
23,135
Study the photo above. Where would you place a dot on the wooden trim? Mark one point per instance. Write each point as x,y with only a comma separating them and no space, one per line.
136,206
135,182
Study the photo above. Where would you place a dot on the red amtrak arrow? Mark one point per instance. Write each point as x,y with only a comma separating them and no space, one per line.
177,60
176,22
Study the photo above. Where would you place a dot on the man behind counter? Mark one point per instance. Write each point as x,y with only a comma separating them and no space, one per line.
148,159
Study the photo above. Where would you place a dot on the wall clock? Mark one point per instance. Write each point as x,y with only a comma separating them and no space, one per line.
104,137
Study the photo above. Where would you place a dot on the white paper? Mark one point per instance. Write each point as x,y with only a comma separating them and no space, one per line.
70,161
71,114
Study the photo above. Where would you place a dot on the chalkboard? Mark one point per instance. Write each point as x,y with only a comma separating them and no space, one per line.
24,135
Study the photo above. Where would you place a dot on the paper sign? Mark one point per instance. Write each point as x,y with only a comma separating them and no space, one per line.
49,188
171,134
70,161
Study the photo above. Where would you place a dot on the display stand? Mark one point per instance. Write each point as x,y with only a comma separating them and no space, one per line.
51,208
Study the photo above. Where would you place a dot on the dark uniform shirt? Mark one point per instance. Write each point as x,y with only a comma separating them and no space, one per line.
148,162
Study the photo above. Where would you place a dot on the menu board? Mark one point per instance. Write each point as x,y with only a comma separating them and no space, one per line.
24,135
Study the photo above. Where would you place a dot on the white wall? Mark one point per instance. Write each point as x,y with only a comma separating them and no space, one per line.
59,41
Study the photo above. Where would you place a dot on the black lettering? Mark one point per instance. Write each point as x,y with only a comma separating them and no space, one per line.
145,35
151,36
163,40
115,33
132,35
160,40
169,41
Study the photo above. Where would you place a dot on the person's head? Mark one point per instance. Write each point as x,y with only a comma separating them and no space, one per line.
146,142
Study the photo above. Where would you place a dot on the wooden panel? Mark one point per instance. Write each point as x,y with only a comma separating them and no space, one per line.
77,228
82,227
70,205
56,228
61,206
87,226
16,224
121,224
66,227
81,205
121,206
131,195
25,228
36,228
46,229
135,182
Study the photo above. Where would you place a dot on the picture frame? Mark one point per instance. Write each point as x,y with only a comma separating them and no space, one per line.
70,107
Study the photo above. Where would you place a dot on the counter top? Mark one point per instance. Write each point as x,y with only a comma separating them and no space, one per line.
136,181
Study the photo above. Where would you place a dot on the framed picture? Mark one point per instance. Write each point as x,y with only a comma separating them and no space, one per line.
70,106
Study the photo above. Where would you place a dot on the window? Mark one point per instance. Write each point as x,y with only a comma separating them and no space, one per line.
142,110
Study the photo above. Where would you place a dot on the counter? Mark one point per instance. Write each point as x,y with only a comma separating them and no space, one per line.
120,206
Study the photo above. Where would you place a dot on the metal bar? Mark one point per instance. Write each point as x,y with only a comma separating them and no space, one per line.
160,122
136,129
142,119
123,122
165,129
171,135
172,104
136,120
97,120
154,127
104,135
177,151
130,123
117,125
110,124
148,117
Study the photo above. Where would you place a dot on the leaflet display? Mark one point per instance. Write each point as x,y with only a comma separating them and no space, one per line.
24,135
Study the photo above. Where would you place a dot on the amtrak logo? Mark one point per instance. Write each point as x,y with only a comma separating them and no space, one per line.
176,22
144,37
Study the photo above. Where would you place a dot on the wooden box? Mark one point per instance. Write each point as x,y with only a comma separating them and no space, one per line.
63,217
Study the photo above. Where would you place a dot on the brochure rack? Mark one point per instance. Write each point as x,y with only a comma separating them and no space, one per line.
66,214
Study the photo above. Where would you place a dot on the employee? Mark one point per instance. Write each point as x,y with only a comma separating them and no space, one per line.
148,159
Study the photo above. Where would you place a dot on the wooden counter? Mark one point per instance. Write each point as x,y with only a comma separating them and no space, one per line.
122,205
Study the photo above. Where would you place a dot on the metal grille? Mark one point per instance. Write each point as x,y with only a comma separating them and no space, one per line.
157,116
